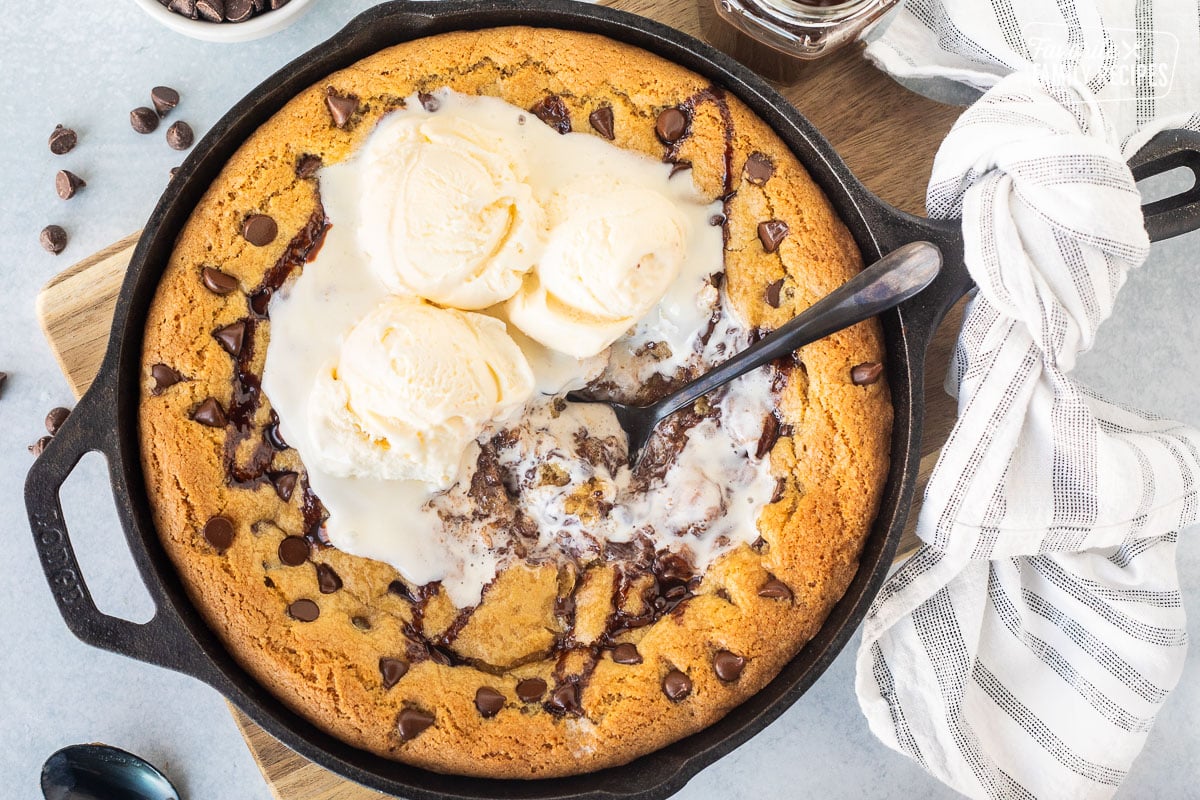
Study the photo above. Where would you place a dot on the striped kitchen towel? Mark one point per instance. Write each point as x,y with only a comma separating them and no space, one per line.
1024,651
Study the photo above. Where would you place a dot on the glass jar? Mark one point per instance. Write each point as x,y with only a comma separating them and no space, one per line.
803,28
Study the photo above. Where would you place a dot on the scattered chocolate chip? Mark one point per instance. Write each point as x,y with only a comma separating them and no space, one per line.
760,545
67,184
866,374
392,670
775,589
771,294
553,111
759,168
531,690
272,435
412,722
672,125
341,109
716,219
218,282
679,166
180,135
143,120
238,10
211,10
400,589
307,165
164,99
285,484
602,122
56,418
771,233
362,623
231,337
429,102
219,533
728,666
210,413
260,302
62,140
293,550
259,230
770,435
626,653
304,610
53,239
185,8
164,378
565,699
327,580
488,702
676,685
38,447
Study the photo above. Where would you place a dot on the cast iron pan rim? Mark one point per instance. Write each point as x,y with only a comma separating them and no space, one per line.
657,774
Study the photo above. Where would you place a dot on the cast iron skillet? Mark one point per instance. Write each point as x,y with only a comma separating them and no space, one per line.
106,419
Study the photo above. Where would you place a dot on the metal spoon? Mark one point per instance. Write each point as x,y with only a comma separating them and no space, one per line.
885,284
101,772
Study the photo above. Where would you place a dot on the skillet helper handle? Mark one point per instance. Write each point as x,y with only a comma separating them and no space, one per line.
1180,213
164,640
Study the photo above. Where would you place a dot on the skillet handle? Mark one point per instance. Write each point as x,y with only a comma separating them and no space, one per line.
164,640
1180,213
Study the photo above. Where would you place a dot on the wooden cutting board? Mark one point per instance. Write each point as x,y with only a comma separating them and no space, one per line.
887,135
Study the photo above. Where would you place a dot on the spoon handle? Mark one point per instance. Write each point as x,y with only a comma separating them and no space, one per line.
885,284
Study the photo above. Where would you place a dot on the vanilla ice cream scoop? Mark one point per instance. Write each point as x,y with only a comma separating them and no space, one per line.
412,387
614,251
447,212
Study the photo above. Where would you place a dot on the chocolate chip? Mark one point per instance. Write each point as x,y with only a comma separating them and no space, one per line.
602,122
180,135
429,102
272,435
626,653
759,168
218,282
775,589
488,702
39,447
186,8
53,239
728,666
259,230
285,484
771,233
716,219
341,109
307,165
304,610
412,722
219,533
553,111
62,140
400,589
210,413
293,550
867,373
565,699
143,120
770,435
676,685
679,166
777,495
211,10
771,295
56,418
231,337
362,623
392,670
67,184
672,125
164,378
328,581
238,10
439,656
260,302
531,690
164,99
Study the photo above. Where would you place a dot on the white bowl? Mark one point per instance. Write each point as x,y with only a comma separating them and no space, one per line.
254,28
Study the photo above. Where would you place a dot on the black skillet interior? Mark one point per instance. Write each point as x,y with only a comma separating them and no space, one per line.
106,419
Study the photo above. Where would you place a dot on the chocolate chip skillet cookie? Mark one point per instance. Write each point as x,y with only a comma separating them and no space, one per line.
353,418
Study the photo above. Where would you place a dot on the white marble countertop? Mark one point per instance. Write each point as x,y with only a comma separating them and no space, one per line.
86,63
